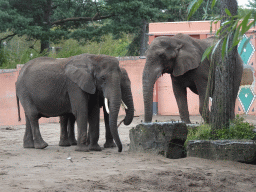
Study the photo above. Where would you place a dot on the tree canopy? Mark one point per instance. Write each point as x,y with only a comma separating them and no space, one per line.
52,20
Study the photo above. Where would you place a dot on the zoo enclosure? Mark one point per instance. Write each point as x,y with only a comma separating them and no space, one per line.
164,100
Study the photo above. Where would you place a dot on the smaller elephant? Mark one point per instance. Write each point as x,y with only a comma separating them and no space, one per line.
180,56
48,87
67,136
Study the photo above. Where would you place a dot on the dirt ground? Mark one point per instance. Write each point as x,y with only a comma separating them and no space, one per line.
63,169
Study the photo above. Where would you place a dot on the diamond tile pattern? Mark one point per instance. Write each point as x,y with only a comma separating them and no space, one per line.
247,51
246,98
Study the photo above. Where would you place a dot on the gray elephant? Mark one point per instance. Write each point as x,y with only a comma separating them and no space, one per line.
48,87
180,56
67,136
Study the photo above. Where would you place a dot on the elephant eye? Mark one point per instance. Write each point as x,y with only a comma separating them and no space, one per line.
162,55
103,78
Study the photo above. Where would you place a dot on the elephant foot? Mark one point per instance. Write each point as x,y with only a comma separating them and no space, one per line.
109,144
95,147
64,143
83,148
40,144
28,144
72,141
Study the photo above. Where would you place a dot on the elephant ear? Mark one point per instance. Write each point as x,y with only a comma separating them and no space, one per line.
188,58
82,77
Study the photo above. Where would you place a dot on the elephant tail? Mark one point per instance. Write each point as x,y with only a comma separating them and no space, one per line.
18,105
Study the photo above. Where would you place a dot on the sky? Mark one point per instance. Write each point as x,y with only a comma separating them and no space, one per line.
242,2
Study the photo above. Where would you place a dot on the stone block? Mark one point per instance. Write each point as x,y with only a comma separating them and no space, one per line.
160,138
233,150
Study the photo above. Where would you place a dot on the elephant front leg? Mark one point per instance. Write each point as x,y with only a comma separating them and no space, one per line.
94,118
181,98
82,133
109,138
63,131
71,130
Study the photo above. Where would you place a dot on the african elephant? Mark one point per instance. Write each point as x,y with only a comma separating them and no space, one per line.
180,56
48,87
67,136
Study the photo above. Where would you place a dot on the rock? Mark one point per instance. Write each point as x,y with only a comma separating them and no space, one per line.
160,138
233,150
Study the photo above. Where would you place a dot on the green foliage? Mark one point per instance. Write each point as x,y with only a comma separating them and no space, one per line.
29,54
234,27
238,129
107,46
51,21
19,50
3,56
252,5
203,132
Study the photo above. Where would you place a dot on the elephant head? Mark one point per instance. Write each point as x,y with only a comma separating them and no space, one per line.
104,75
174,55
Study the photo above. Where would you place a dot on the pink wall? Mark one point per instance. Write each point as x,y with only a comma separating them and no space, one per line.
8,104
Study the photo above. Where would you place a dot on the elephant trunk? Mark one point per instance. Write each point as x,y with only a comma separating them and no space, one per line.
150,75
128,100
114,107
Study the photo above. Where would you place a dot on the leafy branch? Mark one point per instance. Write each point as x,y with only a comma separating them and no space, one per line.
95,18
235,26
8,36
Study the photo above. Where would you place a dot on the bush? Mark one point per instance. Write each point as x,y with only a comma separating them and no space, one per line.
3,56
20,50
203,132
108,46
238,129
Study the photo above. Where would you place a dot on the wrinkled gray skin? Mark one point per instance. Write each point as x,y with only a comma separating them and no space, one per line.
67,136
48,87
180,56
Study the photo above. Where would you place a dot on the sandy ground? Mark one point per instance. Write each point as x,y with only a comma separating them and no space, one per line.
51,170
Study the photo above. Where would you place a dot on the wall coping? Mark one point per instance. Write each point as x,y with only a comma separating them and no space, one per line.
186,27
19,66
7,70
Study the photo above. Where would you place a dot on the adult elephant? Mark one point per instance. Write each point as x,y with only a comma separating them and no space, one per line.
180,56
48,87
67,122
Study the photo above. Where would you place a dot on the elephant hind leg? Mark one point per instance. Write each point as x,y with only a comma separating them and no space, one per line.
67,130
32,137
180,94
39,143
28,141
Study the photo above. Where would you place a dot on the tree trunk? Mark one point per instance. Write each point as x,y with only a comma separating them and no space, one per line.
45,44
144,38
222,109
138,46
45,41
